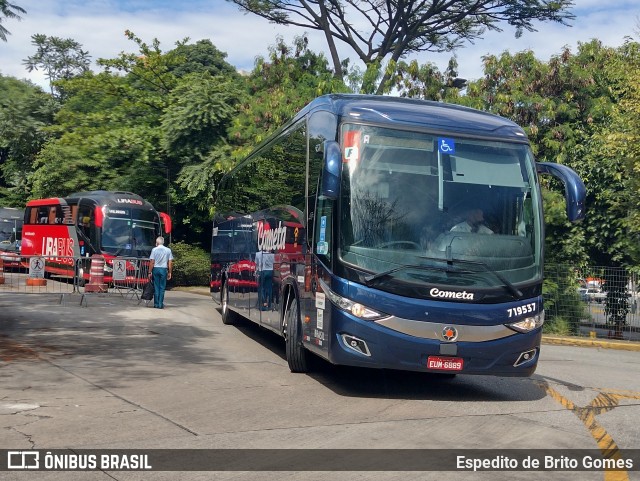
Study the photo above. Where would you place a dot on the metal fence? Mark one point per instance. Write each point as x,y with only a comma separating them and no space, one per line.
592,301
61,276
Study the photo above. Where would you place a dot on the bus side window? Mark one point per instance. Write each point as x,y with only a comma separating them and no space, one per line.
32,215
58,216
43,215
53,218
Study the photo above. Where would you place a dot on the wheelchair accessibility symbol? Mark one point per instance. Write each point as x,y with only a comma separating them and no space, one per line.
446,146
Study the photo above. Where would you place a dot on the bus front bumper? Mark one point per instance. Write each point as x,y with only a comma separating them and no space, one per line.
484,350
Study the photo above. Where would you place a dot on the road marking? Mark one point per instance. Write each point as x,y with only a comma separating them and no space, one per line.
605,401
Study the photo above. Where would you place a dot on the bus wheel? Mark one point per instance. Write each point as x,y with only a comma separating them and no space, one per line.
228,316
297,355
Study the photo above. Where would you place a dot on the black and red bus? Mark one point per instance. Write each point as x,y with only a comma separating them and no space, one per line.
112,224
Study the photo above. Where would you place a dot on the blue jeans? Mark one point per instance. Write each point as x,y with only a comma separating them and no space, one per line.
266,290
159,285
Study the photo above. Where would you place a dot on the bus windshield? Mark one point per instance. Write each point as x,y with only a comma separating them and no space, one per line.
129,232
420,210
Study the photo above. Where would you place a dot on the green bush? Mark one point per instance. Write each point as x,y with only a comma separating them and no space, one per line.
563,308
558,326
191,265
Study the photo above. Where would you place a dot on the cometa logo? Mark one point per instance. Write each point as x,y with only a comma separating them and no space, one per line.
464,295
271,239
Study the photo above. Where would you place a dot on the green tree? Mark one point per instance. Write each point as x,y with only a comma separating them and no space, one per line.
379,32
138,124
279,86
59,58
25,112
8,10
427,82
613,164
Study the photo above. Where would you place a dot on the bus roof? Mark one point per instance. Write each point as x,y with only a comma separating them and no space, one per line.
105,196
436,116
101,197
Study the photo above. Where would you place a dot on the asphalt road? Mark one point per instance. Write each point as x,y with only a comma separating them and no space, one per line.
116,374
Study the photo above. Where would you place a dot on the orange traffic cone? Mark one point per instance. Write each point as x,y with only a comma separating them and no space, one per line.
96,275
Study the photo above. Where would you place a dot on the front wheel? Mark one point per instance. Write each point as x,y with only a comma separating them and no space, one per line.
297,355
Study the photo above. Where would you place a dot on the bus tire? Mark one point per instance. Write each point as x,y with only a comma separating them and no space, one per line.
297,355
228,316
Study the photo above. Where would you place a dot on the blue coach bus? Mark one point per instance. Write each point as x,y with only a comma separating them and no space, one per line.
390,233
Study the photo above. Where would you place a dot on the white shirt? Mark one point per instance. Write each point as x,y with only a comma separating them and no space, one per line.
466,227
161,256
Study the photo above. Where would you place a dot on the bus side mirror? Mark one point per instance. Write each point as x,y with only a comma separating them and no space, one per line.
166,222
331,170
574,189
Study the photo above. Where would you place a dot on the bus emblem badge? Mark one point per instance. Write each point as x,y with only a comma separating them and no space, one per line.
449,333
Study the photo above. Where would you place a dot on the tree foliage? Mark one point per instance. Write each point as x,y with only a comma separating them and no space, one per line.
59,58
8,11
426,81
137,124
25,112
379,32
612,160
278,87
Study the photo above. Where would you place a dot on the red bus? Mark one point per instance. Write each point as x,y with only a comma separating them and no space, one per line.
112,224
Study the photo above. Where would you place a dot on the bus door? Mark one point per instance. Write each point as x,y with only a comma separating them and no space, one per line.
88,235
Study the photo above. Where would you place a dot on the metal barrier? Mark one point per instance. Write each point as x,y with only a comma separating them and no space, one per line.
85,276
129,275
593,301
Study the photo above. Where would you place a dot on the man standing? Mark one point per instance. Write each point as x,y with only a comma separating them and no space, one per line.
264,268
160,269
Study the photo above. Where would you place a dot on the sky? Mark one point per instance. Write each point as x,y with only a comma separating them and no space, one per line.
99,26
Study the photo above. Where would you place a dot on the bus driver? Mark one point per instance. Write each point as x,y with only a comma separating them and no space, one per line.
474,222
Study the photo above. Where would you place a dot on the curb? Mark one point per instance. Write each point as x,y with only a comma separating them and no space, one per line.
203,291
584,342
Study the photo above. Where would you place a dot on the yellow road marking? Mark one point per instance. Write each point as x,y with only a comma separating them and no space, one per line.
603,402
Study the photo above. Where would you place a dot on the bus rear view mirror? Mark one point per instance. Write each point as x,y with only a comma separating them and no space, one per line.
166,222
331,170
574,189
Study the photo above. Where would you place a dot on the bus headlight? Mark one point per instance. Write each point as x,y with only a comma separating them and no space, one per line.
355,308
528,324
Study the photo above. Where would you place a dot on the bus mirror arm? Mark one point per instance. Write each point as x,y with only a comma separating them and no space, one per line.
574,189
331,170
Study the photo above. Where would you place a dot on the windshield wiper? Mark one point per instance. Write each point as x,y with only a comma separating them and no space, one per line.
505,282
371,278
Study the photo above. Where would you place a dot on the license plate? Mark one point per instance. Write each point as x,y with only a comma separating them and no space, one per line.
445,363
